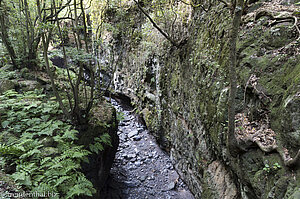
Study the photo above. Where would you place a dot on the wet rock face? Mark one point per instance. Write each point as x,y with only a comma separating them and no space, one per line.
225,188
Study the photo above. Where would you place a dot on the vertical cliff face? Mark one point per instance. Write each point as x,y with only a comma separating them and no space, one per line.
182,93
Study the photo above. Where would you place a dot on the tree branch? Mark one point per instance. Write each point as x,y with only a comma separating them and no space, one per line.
225,3
58,11
45,44
61,18
195,6
156,26
5,37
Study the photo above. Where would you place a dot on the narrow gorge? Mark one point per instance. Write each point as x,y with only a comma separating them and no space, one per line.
182,92
157,99
141,169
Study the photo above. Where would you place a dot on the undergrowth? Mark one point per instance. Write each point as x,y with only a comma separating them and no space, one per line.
39,149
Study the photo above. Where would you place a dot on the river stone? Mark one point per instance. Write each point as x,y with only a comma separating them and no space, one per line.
133,133
138,163
143,178
131,184
123,137
149,155
170,186
143,159
170,166
137,138
129,156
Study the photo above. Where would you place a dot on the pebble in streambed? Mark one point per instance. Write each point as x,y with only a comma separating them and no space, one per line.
141,169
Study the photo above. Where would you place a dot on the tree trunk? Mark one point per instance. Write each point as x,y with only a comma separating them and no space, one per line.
45,42
92,75
32,50
79,45
4,35
232,143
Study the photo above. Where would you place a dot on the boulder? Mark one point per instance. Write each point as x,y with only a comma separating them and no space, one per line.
29,85
6,85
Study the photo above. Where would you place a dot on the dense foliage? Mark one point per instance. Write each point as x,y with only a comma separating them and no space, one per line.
39,150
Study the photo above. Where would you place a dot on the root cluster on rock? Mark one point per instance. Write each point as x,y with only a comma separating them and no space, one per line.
257,133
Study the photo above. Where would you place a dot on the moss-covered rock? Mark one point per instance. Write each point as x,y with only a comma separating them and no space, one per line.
193,92
6,85
29,85
102,121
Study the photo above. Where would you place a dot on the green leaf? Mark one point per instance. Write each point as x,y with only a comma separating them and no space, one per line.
5,124
33,105
35,169
30,153
70,134
37,179
18,176
61,180
105,138
45,160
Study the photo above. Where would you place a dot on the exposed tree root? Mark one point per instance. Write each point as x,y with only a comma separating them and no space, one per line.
287,14
248,135
288,161
295,25
253,82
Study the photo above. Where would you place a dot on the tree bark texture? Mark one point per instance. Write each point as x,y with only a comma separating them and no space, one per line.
231,139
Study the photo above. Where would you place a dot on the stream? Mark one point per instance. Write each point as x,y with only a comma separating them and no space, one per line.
141,170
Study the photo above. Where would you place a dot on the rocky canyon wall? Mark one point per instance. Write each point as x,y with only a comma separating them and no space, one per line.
182,93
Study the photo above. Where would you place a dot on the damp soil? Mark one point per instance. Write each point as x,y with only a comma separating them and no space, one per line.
141,170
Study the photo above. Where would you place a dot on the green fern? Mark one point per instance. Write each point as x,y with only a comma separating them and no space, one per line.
83,187
9,151
28,120
97,145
